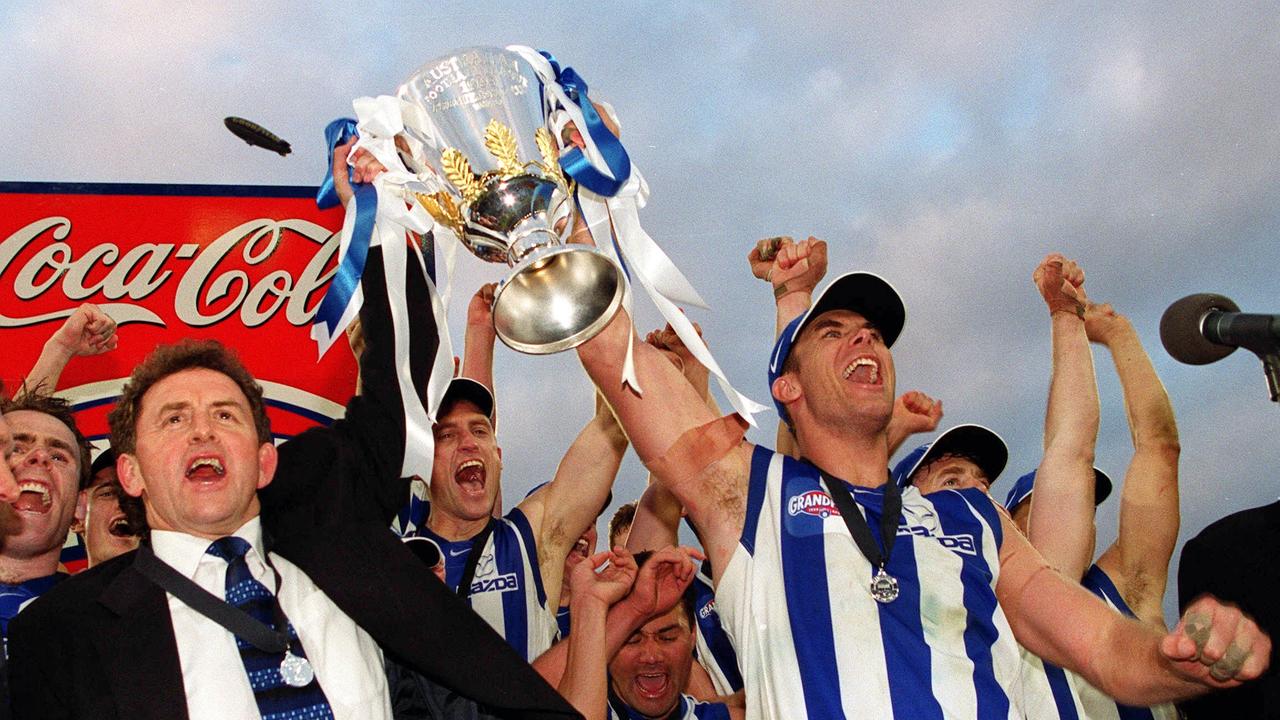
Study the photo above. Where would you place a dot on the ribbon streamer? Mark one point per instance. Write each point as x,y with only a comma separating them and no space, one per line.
555,98
575,163
353,251
335,133
611,211
666,286
379,215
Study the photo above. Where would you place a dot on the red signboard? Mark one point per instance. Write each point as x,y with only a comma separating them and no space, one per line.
245,265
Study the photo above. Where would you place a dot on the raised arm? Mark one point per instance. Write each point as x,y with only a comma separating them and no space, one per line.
477,354
658,512
1214,646
88,331
1138,561
658,586
793,270
369,441
562,510
913,412
1062,526
585,658
704,464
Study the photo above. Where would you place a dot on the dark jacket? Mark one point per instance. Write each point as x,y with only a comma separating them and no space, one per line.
102,645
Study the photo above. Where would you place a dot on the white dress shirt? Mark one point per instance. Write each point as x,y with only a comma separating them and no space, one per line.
347,662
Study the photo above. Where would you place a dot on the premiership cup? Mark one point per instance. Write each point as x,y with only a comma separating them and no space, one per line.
482,130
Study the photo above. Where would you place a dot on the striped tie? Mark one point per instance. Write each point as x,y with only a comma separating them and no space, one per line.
277,700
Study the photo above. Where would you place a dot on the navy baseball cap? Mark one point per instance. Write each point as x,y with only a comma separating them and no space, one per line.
1026,484
867,294
978,443
463,388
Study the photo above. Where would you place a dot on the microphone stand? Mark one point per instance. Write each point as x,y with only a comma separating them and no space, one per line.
1271,366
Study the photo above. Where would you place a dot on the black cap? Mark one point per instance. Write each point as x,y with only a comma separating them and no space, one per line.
462,388
983,445
106,459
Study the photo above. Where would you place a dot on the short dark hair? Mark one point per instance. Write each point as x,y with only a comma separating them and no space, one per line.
621,521
168,360
58,409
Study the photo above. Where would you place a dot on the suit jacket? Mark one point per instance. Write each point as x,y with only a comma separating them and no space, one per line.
1234,559
102,644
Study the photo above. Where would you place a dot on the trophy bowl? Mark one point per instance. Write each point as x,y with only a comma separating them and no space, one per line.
507,200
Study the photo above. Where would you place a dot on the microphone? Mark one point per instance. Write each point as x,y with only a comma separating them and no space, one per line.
1204,328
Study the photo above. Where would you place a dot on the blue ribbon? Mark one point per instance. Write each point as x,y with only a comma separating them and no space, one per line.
347,277
574,162
335,133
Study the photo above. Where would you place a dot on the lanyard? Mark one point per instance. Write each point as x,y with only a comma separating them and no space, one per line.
239,622
884,587
473,559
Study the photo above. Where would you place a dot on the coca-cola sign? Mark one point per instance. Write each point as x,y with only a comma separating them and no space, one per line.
245,265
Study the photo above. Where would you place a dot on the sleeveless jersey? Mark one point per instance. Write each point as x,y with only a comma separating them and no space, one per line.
713,649
688,709
1057,694
795,599
507,588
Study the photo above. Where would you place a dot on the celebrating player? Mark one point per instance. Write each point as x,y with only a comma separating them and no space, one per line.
812,569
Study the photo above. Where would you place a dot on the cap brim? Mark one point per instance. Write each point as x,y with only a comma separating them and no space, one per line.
1101,487
982,444
464,388
867,294
1018,494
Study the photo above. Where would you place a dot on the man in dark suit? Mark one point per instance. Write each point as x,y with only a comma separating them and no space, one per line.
195,445
1235,559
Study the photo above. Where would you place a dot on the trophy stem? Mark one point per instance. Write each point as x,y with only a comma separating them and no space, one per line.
528,241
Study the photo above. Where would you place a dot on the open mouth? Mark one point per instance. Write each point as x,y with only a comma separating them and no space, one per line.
471,477
120,527
652,685
33,497
864,370
580,548
206,468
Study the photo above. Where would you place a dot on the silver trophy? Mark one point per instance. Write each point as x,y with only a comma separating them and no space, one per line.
508,200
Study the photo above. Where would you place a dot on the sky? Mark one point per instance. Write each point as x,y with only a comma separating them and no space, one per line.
945,146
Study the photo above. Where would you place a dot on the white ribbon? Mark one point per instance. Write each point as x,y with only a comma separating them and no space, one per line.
379,120
610,218
554,98
661,280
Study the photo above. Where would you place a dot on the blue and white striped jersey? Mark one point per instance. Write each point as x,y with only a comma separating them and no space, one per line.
688,709
507,589
795,598
1057,694
713,649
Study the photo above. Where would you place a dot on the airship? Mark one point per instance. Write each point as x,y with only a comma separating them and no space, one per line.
255,134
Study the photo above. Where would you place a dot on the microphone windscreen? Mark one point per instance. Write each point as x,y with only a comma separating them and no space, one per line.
1180,329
